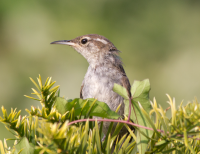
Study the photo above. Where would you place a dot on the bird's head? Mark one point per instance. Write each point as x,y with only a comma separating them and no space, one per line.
95,48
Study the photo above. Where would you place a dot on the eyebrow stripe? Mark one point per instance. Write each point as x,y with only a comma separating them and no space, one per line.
101,40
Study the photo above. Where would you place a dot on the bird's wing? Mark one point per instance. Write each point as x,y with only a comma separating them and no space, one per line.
126,84
81,95
125,81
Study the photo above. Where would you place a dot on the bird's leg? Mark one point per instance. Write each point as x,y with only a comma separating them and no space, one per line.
129,113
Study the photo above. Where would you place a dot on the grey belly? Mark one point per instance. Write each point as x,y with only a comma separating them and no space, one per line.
101,89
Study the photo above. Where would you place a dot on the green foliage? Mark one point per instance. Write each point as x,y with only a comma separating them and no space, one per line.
48,130
140,93
181,132
90,107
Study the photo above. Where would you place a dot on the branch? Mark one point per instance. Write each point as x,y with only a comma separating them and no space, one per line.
112,120
122,121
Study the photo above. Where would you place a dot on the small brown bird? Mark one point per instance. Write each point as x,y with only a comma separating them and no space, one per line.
105,69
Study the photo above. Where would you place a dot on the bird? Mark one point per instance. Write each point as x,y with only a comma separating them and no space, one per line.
104,70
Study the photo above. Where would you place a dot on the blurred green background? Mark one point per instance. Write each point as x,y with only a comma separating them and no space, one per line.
159,40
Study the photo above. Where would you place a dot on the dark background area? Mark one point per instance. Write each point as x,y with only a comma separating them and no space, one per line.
159,40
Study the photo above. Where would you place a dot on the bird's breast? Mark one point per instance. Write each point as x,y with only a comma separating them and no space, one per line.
99,84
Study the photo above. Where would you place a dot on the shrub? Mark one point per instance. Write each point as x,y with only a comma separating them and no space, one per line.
66,126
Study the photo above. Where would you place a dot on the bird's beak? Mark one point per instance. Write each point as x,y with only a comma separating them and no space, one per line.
65,42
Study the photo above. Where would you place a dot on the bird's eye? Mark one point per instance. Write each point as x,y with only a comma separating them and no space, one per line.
84,41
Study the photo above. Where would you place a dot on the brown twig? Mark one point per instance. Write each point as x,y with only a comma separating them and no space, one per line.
121,121
112,120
